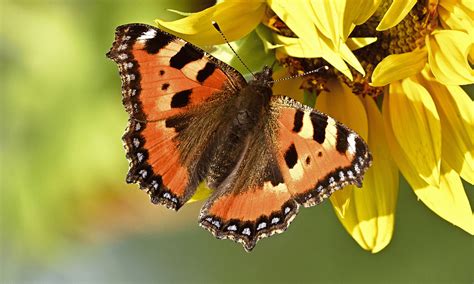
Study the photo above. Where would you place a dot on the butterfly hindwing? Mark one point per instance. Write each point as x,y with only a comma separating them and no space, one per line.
165,81
254,202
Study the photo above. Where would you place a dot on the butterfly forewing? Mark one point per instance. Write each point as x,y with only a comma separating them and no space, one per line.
165,82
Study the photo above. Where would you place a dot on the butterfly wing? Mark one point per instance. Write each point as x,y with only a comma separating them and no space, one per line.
317,155
165,83
296,156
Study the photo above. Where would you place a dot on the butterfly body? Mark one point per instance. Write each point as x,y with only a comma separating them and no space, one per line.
193,119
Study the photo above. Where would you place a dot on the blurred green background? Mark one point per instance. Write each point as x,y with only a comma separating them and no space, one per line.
67,215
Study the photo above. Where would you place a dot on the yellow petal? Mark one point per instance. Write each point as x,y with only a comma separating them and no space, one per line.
202,192
448,52
350,58
326,17
235,18
311,41
355,43
344,106
357,12
395,14
369,217
447,199
455,108
365,10
399,66
411,114
297,18
298,48
456,15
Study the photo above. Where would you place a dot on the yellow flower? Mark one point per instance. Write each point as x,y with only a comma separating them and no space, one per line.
411,56
427,116
236,18
427,122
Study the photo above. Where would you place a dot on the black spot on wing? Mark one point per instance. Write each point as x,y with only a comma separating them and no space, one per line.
273,174
184,56
181,99
165,86
361,149
291,156
155,44
298,123
207,71
179,122
320,122
341,138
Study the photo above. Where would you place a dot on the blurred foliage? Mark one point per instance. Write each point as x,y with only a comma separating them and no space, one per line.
63,164
63,167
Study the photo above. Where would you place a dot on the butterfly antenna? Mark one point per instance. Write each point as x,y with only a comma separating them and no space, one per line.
216,26
317,70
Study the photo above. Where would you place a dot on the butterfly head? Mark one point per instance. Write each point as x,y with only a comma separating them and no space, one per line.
263,78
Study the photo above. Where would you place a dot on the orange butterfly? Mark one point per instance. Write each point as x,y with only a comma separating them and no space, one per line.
194,118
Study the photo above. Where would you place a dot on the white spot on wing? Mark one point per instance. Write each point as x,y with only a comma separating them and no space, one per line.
122,47
137,127
216,223
246,231
352,143
280,188
232,228
275,220
147,35
136,142
307,128
297,171
350,174
330,134
341,175
261,226
122,56
357,169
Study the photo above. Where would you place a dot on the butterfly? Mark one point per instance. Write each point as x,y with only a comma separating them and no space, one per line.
193,118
